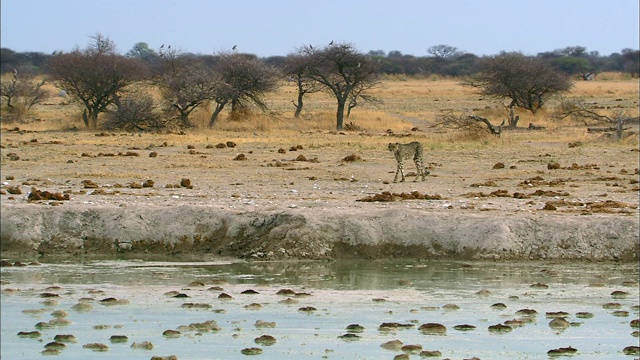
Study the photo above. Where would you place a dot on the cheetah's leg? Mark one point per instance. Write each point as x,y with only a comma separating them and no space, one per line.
419,169
400,171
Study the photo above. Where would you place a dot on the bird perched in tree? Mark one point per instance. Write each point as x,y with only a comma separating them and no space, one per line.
331,43
234,47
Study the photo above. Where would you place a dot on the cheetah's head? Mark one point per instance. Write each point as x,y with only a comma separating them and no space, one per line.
393,146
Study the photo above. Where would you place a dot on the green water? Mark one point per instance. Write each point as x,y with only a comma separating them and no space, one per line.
343,293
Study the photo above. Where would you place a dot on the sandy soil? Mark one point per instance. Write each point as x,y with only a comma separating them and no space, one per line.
312,203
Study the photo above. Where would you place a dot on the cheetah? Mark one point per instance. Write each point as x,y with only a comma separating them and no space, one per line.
412,150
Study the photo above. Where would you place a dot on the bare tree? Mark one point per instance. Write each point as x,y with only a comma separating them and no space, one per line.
242,80
21,93
296,69
94,76
135,112
185,83
342,70
528,82
443,51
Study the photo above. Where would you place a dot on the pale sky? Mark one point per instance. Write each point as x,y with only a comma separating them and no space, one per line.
278,27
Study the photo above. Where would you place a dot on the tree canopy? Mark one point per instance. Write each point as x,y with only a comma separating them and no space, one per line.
527,82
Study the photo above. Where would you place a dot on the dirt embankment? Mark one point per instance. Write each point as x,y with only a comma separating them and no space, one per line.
28,230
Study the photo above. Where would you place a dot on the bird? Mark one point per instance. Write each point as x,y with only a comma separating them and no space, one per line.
161,47
310,46
234,47
168,47
331,43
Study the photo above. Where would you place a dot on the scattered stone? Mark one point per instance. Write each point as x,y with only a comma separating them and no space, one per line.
55,345
171,334
265,340
411,349
221,145
286,292
249,292
230,144
59,314
225,296
264,324
48,294
392,326
500,328
144,345
89,184
352,158
556,314
451,307
539,285
499,306
559,324
464,327
526,312
618,294
253,306
562,351
118,339
30,334
251,351
186,183
498,165
433,329
37,195
620,313
65,338
394,345
430,353
14,190
170,357
584,315
635,323
153,154
631,350
148,183
611,306
355,328
96,347
553,165
195,306
307,309
349,337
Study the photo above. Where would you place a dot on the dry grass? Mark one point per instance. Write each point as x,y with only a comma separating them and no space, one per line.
405,104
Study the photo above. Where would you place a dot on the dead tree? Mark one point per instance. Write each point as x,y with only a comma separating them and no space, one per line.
493,130
580,111
472,122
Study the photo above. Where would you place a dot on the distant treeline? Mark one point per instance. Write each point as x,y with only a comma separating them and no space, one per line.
442,60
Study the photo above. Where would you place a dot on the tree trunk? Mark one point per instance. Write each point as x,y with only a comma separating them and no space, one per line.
216,112
340,114
299,105
184,119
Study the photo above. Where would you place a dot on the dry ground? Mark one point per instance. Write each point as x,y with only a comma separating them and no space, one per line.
286,163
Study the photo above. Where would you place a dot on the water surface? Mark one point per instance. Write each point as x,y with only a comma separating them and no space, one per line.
367,293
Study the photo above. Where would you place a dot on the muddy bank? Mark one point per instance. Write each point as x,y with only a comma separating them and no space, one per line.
30,230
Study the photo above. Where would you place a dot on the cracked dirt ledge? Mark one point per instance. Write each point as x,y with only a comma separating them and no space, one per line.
28,230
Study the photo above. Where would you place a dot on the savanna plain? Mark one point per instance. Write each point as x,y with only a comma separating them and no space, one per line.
181,242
